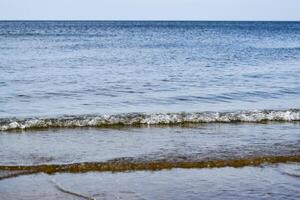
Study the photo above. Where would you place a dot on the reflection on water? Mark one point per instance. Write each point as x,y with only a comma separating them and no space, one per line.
169,143
265,182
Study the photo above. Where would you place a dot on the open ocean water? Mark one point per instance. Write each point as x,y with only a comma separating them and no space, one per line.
178,110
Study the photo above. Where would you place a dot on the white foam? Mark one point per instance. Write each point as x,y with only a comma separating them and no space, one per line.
151,119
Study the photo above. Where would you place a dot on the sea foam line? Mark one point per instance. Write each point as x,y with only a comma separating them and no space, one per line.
150,119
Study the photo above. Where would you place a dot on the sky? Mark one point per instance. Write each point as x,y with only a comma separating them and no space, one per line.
270,10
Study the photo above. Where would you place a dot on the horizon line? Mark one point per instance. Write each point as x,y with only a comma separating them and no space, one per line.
139,20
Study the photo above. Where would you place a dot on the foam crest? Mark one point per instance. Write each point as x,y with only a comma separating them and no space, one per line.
128,119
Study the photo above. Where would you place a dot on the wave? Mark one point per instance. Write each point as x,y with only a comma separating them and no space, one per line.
128,119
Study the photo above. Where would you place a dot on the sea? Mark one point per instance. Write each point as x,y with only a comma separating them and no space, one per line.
149,110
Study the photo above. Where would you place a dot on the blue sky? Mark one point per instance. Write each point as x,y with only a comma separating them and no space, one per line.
150,9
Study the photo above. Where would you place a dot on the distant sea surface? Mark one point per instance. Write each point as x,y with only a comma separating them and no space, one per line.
110,67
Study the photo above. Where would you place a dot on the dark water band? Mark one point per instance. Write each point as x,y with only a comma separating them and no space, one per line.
121,166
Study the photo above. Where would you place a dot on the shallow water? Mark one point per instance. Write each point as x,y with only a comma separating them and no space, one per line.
167,144
266,182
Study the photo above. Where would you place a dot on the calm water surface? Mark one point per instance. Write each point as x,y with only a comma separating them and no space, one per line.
266,182
169,107
167,144
58,68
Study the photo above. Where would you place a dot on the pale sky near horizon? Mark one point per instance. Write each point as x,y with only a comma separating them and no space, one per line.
282,10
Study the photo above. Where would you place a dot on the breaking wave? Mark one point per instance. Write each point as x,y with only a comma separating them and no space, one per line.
128,119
